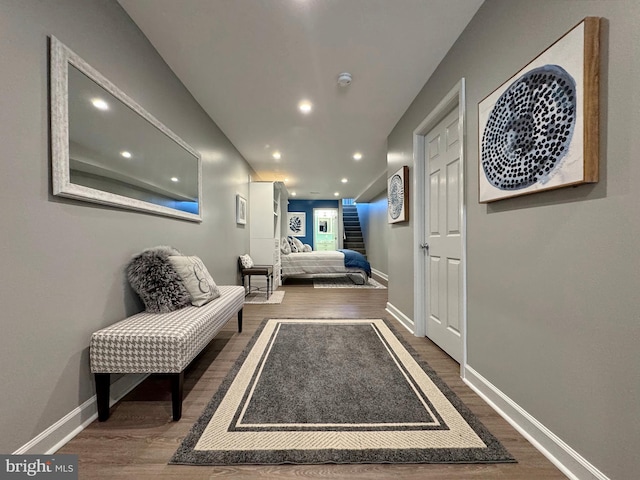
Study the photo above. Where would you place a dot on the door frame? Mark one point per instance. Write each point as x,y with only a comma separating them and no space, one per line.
337,226
454,99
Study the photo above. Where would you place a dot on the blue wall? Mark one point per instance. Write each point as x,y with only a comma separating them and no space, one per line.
307,207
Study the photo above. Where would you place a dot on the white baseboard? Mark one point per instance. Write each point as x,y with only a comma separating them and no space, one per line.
58,434
401,317
379,274
568,461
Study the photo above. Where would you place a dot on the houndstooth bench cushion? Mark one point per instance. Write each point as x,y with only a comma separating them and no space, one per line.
162,342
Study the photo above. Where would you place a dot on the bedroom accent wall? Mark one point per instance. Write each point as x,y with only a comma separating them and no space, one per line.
66,258
552,277
307,206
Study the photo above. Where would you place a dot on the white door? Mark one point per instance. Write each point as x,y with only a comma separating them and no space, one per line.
325,229
443,231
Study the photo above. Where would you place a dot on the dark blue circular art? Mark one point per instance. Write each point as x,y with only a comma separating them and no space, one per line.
529,129
396,196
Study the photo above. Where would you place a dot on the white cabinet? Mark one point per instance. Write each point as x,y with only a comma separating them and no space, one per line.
266,203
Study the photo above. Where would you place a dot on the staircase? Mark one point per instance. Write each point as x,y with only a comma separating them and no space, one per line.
353,234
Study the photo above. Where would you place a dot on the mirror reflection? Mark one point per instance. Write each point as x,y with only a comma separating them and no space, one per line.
113,149
114,152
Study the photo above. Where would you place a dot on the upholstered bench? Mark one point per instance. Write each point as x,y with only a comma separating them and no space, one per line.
160,343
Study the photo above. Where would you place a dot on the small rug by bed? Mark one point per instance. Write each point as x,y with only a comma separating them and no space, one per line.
261,297
314,391
343,282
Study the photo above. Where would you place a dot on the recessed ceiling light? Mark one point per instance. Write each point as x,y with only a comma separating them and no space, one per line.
286,180
174,179
125,154
305,106
336,194
357,156
277,155
344,180
293,194
100,104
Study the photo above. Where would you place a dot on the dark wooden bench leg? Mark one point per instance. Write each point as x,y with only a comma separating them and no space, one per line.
102,395
268,284
177,386
240,321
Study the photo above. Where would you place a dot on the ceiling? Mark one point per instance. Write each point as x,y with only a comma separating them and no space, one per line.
249,63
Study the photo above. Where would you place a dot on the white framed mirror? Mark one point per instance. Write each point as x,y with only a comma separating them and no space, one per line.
107,149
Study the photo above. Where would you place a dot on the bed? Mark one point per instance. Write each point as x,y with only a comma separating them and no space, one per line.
326,264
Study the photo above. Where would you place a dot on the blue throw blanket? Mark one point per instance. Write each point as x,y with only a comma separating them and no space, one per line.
353,259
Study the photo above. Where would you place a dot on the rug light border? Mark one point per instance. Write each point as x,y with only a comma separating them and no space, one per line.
494,453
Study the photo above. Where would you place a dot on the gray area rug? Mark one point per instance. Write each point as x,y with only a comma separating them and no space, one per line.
314,391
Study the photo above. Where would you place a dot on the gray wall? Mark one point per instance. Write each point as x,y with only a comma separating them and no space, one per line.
553,277
375,230
63,261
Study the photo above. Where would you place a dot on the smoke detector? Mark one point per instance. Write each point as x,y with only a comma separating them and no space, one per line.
344,79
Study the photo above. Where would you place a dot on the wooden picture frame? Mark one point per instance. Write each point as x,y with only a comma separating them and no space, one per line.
540,129
398,196
241,210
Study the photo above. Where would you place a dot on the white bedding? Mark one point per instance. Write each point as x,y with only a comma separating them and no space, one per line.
316,263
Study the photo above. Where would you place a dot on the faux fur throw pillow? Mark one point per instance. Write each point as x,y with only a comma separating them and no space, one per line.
156,281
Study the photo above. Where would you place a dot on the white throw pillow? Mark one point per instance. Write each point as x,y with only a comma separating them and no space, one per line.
196,279
307,248
246,261
292,244
285,248
299,245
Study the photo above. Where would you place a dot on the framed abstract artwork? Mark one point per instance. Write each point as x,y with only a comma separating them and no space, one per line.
539,130
398,196
296,224
241,210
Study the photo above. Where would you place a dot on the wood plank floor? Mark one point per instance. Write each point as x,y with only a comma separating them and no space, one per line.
139,438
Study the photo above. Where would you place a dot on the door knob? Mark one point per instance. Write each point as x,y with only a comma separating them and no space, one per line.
424,246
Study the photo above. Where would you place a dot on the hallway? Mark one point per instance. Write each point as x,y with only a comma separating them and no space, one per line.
139,438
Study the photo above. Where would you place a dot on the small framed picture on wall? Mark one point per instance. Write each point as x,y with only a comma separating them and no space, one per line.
398,196
296,224
241,210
